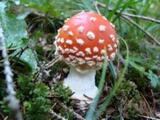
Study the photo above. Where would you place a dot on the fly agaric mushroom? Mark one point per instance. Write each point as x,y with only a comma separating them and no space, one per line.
82,43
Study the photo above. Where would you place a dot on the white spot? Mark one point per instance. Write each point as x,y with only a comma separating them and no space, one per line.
112,37
65,27
67,59
80,53
112,25
90,35
99,58
66,20
80,29
61,49
115,45
102,28
62,40
95,56
72,51
88,58
88,51
101,41
59,29
75,48
58,40
95,49
80,41
71,57
70,33
55,43
110,47
112,55
69,42
103,51
66,50
91,63
93,19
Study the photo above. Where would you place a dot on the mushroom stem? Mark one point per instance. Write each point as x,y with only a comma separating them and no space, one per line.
82,84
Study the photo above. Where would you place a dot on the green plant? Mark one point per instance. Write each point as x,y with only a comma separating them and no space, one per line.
36,105
58,90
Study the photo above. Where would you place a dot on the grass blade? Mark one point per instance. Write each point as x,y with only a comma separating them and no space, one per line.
116,86
91,112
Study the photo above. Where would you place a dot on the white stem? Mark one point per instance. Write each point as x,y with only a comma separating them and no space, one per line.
82,84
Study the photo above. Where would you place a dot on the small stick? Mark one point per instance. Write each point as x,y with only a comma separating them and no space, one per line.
71,110
57,115
148,117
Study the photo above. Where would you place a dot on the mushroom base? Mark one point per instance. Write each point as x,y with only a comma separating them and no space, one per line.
82,84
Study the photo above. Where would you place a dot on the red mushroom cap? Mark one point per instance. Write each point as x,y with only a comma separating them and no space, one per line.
85,38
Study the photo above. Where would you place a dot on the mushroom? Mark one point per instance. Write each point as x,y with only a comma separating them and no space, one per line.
82,43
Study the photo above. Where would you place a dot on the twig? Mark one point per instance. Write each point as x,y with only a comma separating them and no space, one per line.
44,68
1,116
13,102
70,110
141,17
147,117
147,104
52,62
57,115
139,27
147,18
120,109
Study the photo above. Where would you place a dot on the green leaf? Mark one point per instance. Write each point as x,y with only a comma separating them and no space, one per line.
154,79
29,57
137,66
14,29
92,108
113,70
